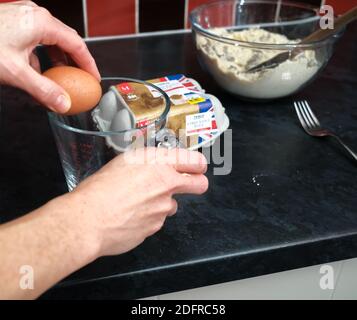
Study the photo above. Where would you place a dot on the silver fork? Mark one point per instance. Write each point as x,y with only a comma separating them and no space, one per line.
313,127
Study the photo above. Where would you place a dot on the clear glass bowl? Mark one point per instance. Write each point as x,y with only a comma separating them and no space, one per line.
227,54
84,149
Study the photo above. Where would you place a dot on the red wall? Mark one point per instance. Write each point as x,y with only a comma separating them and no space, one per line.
117,17
341,6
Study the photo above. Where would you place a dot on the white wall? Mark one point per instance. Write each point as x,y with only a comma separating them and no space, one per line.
295,284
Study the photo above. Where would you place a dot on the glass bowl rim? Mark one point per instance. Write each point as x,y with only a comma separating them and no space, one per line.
162,118
197,27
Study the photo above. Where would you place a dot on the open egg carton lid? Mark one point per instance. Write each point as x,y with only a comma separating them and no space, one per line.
195,119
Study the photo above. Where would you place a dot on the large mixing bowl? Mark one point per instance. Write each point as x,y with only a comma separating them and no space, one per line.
233,36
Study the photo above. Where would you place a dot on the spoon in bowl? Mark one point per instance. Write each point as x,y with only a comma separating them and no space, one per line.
319,34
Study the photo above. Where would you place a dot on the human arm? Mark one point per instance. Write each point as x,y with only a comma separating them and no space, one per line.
109,213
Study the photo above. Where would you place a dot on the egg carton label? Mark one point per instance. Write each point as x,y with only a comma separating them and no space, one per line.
201,123
180,90
125,88
174,89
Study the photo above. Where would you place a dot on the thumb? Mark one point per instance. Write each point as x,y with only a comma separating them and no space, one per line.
46,91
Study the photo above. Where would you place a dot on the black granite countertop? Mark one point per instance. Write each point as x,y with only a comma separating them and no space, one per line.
289,202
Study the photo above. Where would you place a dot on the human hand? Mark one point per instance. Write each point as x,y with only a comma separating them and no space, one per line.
129,199
24,25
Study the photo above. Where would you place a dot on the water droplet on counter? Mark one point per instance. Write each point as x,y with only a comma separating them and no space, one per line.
255,181
259,179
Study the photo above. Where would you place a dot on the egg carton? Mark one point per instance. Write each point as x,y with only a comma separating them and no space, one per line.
201,126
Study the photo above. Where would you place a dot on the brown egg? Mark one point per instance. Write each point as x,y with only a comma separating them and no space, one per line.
84,90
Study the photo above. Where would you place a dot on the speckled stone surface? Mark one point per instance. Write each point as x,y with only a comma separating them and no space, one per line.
289,202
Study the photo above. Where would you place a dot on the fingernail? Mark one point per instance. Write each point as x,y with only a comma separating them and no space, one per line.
63,103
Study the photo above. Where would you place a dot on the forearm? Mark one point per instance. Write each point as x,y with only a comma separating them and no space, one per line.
53,241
